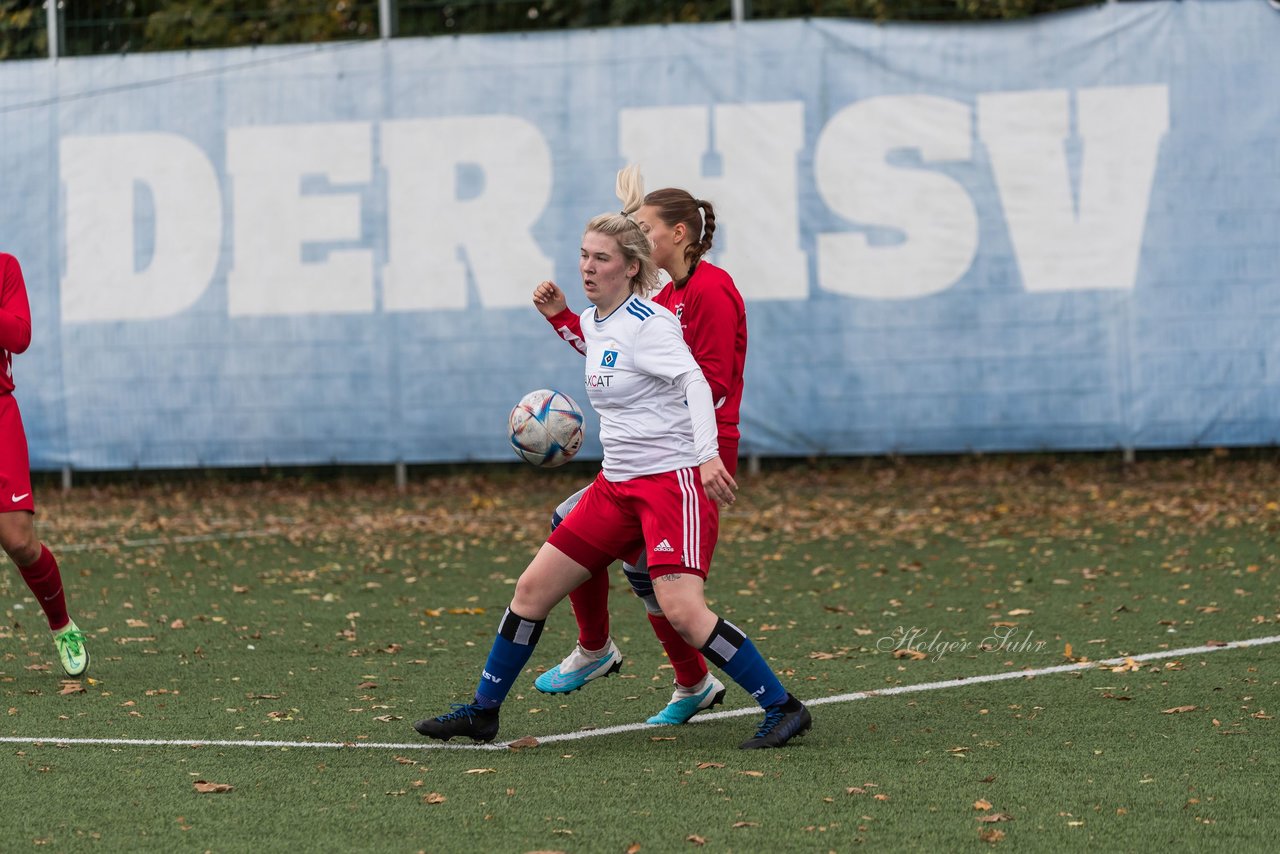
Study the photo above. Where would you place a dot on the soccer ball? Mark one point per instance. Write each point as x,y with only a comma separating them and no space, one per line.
546,428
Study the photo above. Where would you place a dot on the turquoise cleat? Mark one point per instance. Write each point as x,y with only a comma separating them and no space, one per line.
687,702
578,668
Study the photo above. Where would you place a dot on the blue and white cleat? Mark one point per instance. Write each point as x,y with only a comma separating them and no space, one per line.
579,668
687,702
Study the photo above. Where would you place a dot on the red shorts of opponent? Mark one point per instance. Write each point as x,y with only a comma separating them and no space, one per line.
15,464
667,515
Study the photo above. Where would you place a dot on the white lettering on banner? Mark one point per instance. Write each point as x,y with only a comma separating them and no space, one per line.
274,218
871,165
756,194
932,212
101,282
1062,245
429,224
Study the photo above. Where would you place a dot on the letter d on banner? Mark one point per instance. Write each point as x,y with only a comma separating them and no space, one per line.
103,281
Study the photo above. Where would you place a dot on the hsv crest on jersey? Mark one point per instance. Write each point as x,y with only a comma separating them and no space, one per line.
609,359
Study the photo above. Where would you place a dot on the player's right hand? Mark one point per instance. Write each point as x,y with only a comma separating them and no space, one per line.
549,299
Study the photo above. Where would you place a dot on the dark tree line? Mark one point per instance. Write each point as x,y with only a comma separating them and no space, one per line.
128,26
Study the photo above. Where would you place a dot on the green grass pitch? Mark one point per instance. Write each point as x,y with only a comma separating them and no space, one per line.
294,612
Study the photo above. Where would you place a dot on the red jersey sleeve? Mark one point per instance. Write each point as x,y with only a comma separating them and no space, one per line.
15,312
716,332
569,327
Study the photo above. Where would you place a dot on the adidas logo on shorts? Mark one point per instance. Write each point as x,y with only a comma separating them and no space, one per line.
663,546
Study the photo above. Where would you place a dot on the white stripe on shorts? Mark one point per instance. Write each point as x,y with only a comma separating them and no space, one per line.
692,518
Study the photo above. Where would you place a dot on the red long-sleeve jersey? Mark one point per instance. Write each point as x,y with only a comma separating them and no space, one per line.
15,318
714,319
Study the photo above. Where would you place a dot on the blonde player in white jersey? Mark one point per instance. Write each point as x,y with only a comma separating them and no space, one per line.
661,472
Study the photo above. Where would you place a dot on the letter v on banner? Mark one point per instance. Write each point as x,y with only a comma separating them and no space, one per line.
1089,239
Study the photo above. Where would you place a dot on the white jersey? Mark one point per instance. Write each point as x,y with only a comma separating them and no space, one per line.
639,370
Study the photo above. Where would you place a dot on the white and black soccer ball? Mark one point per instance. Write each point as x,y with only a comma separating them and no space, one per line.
546,428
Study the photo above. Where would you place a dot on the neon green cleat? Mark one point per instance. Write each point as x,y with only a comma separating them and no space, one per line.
71,652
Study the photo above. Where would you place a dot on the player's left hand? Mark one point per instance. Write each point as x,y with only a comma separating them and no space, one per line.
549,299
717,482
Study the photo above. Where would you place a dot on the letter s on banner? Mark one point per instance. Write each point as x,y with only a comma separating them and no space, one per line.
932,211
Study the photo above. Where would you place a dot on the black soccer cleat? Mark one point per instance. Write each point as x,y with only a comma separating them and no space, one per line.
469,719
781,724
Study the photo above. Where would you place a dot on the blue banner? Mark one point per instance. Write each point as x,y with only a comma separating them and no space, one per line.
1058,233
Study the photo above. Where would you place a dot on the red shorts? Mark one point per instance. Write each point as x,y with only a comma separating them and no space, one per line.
667,515
15,465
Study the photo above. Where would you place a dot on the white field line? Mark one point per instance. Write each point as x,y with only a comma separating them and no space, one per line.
622,728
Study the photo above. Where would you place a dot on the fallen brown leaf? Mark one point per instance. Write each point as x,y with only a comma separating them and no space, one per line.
991,834
69,687
433,798
1179,709
981,804
205,788
696,839
521,743
995,816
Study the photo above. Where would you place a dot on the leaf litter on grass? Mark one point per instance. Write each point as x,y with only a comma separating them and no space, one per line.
923,535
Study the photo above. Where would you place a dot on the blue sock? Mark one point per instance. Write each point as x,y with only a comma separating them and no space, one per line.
733,652
511,650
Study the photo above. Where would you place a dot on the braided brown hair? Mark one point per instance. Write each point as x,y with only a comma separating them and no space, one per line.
675,206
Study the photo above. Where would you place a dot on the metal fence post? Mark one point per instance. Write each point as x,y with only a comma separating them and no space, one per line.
739,11
386,18
51,25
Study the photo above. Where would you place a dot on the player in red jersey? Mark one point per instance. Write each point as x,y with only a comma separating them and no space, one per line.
17,508
656,492
713,318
